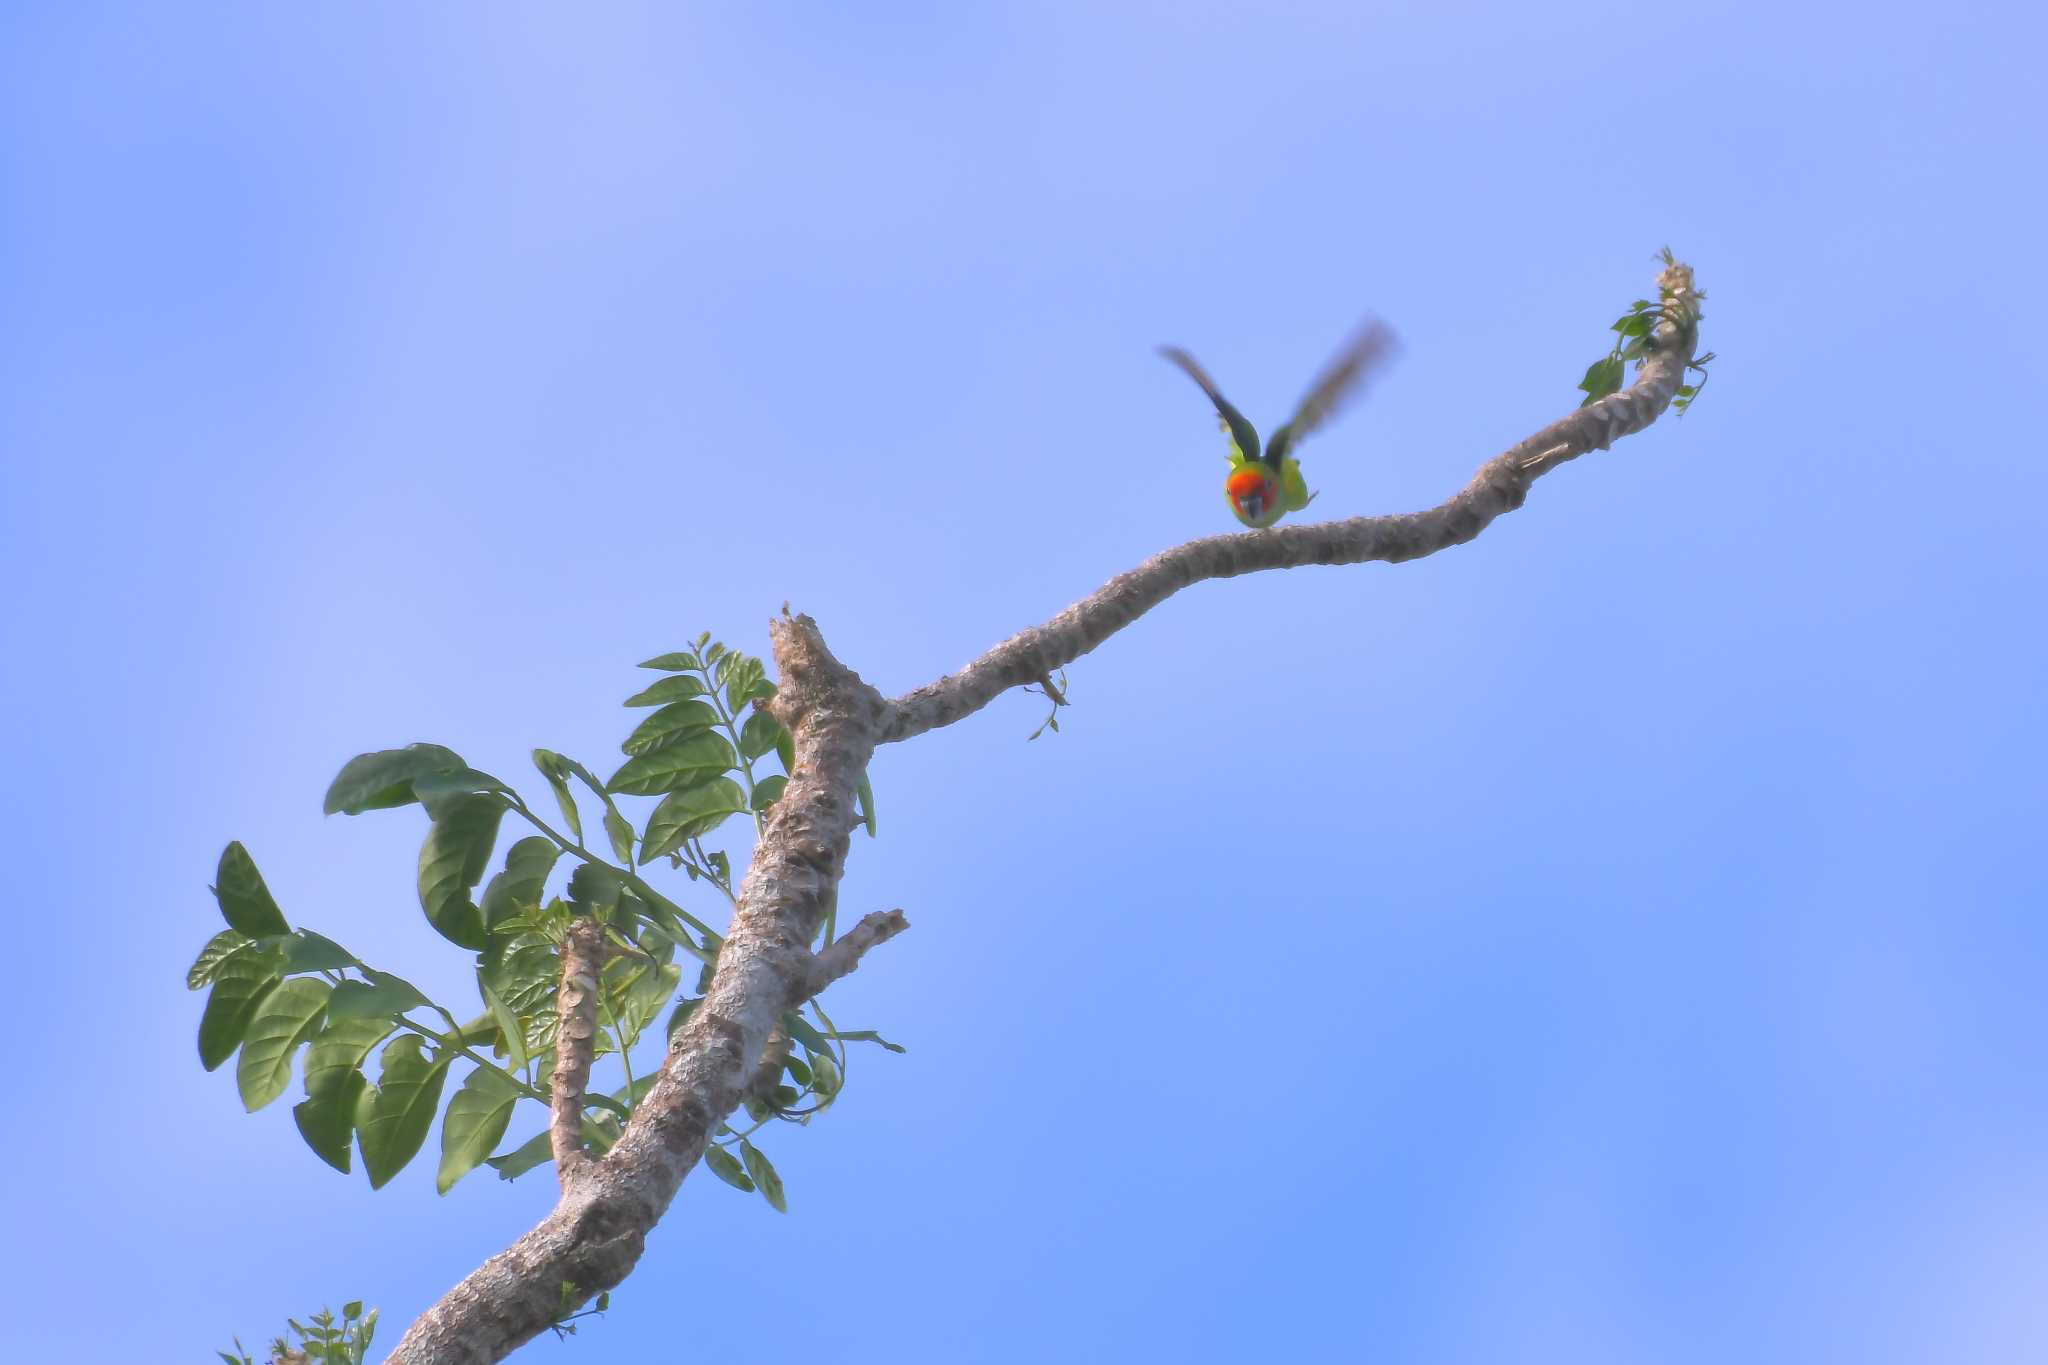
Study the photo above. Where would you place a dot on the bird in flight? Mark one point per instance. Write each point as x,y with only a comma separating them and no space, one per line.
1265,485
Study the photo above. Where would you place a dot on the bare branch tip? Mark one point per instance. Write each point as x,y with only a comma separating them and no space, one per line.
840,957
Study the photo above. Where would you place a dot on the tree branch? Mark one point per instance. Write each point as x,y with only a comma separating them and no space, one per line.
1500,486
761,1090
596,1232
583,953
837,959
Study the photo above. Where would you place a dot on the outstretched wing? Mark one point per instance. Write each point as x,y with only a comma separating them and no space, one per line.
1368,347
1243,434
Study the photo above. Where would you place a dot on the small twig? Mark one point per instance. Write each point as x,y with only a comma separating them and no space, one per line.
576,1001
843,955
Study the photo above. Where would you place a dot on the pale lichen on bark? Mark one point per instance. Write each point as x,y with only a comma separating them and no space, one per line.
597,1231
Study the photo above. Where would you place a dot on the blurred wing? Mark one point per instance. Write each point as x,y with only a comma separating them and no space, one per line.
1244,437
1371,345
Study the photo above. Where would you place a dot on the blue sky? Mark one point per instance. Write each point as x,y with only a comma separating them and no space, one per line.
1619,939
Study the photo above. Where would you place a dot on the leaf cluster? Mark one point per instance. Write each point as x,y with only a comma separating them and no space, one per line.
278,993
1635,338
339,1341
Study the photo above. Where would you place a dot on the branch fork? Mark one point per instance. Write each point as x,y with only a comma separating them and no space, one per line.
596,1233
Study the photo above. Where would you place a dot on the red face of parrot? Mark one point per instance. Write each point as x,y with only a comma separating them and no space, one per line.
1254,495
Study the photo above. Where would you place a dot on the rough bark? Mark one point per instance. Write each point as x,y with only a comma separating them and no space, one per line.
593,1237
575,1036
596,1233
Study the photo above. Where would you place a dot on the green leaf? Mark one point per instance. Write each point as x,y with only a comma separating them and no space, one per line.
306,951
691,812
589,779
288,1017
666,691
760,734
328,1118
334,1085
510,1036
764,1176
518,887
671,723
217,950
656,932
725,1168
392,1120
477,1118
524,971
352,1309
555,769
620,831
866,793
378,781
785,752
799,1071
826,1077
799,1028
245,901
742,675
868,1035
677,661
1603,377
379,997
768,791
674,766
637,995
594,890
537,1150
482,1031
452,862
240,983
436,789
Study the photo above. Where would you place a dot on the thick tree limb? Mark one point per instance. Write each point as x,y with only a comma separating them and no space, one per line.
593,1237
595,1234
1500,486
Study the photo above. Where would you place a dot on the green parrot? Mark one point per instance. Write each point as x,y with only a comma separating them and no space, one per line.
1264,487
